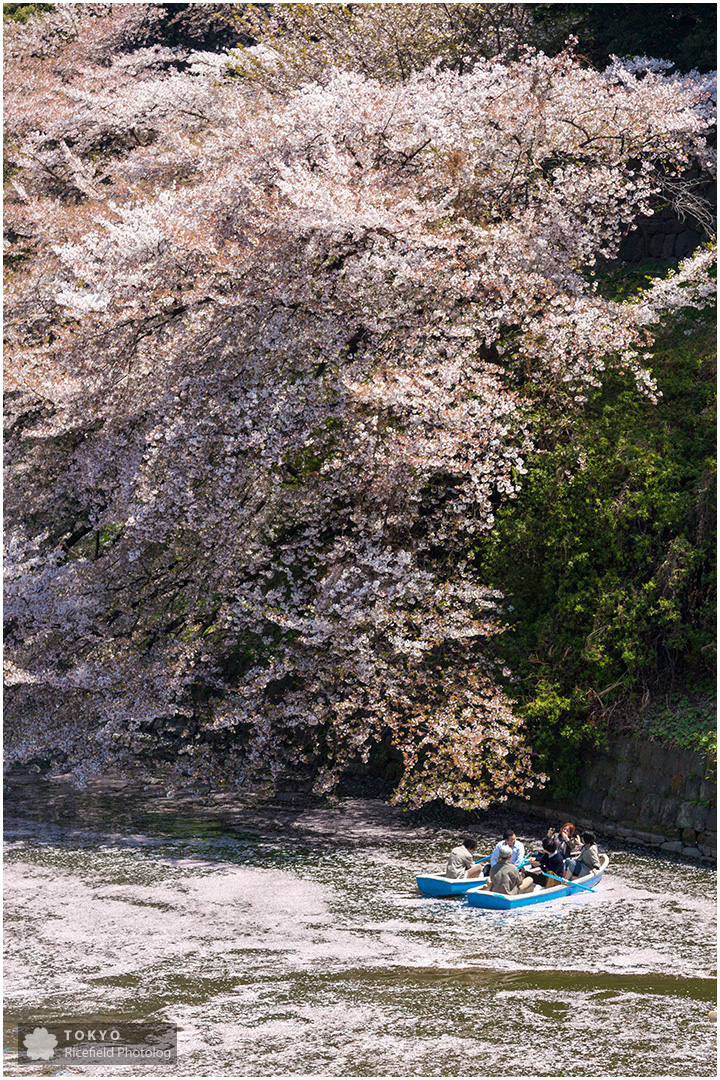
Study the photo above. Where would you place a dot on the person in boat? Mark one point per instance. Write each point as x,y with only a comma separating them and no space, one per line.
460,862
505,877
550,861
587,861
517,850
568,843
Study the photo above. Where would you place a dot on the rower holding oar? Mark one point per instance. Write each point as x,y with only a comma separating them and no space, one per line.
550,861
460,862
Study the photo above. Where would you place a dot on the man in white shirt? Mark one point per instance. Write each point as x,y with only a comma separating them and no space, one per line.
516,847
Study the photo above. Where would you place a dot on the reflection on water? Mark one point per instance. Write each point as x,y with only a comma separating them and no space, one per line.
291,940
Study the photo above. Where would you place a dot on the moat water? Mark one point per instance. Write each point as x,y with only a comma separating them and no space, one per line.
289,939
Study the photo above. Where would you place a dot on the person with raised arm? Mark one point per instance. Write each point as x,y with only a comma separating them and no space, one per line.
567,840
588,859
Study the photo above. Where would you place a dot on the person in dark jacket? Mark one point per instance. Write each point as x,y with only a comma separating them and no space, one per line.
550,862
567,840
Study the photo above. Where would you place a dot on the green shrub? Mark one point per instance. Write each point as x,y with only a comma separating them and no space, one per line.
23,12
607,559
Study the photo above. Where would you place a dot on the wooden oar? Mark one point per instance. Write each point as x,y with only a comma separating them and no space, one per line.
569,881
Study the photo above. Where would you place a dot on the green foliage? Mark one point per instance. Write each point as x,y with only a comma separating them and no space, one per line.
607,559
684,721
23,12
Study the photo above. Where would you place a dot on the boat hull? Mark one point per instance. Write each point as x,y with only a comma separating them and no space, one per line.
481,898
442,886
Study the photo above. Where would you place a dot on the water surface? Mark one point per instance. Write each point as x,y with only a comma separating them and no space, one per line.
290,939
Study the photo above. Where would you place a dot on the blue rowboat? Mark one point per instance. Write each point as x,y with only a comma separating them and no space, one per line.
434,885
445,886
481,898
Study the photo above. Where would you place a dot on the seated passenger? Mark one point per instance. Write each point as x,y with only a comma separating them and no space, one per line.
588,859
460,863
550,861
517,851
505,877
568,843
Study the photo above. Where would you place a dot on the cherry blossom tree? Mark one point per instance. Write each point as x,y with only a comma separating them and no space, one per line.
271,350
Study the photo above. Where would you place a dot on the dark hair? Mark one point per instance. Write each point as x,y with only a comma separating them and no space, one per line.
469,843
550,843
588,838
508,833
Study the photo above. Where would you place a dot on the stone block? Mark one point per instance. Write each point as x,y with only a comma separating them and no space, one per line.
585,823
650,808
638,777
677,784
656,244
644,753
692,853
709,850
633,247
602,779
708,791
689,836
691,762
649,838
622,750
672,846
661,785
622,773
692,788
658,758
634,840
590,778
691,816
668,248
711,819
613,809
612,788
593,801
686,242
623,832
668,811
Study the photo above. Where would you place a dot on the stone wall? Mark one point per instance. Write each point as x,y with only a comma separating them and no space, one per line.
643,793
662,236
665,236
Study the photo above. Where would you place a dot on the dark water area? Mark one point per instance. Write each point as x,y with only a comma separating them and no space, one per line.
288,938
